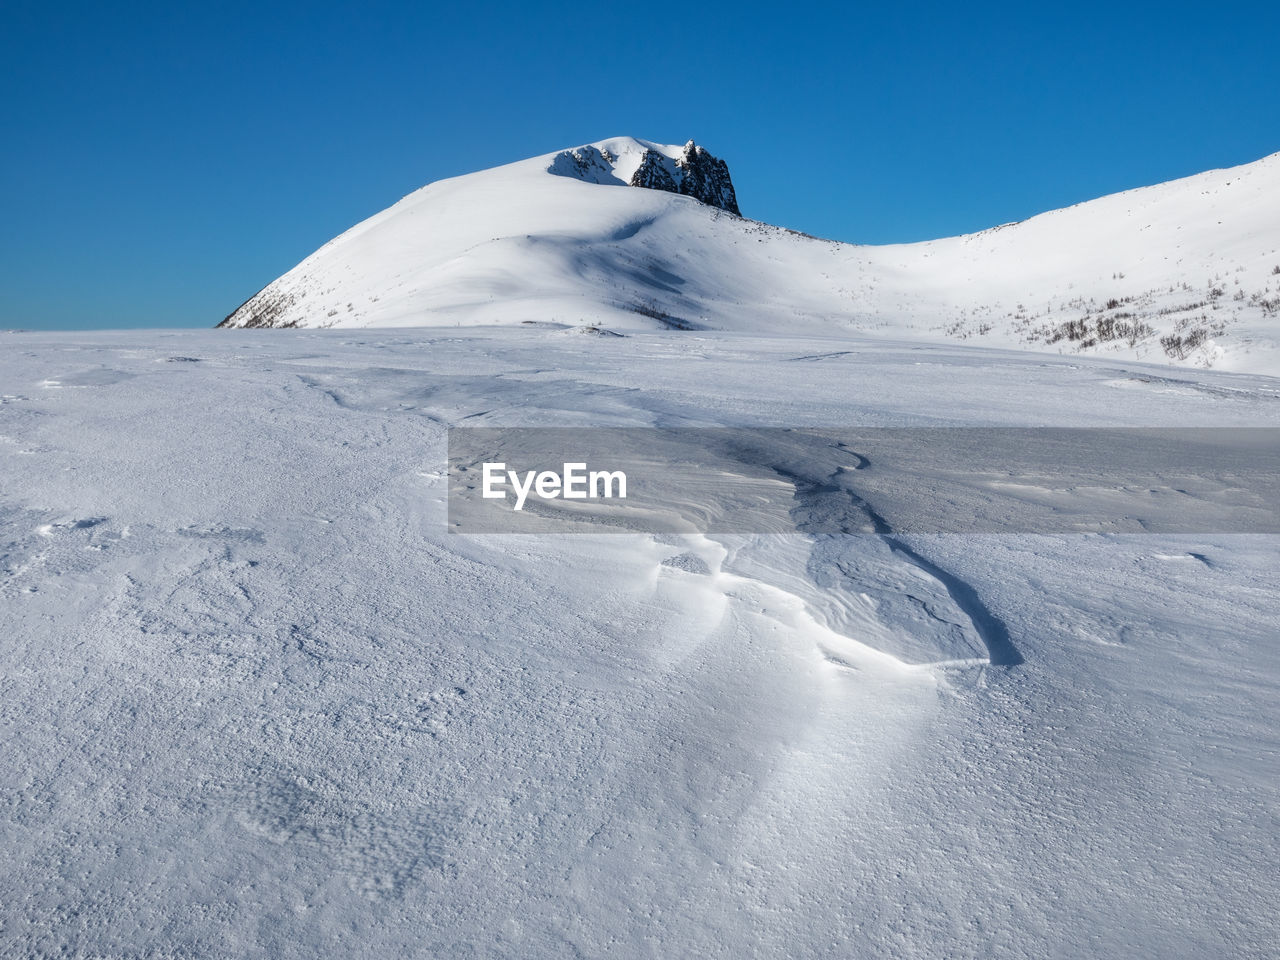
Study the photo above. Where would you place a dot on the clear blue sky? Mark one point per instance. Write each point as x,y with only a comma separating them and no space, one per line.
162,162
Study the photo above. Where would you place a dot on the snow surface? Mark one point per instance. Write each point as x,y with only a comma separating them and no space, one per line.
257,702
1186,272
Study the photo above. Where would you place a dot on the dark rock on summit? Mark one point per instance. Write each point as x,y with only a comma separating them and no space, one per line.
706,178
652,173
697,174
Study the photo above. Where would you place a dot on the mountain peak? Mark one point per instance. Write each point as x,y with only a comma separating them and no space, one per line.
1185,271
691,170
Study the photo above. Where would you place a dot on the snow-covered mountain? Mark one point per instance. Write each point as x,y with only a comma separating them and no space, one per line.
1186,271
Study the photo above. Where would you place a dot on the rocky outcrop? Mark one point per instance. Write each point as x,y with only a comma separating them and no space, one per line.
694,173
706,178
653,174
689,170
587,163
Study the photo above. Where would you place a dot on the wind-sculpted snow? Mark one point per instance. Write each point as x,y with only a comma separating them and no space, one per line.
257,700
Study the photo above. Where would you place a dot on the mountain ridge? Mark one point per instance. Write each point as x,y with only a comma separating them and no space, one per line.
1186,272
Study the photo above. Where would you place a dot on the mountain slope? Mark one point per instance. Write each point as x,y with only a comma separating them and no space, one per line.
1187,271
